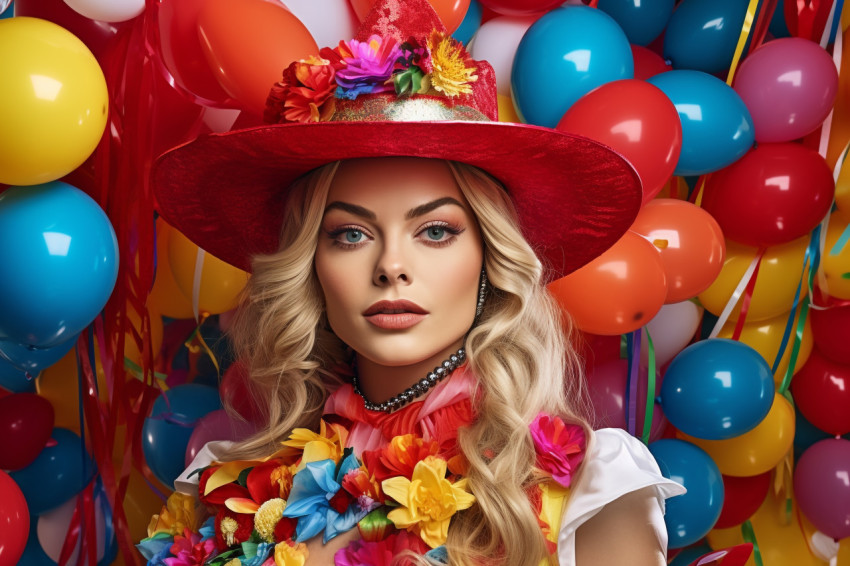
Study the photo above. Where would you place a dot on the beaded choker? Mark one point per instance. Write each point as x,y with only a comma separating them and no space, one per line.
433,378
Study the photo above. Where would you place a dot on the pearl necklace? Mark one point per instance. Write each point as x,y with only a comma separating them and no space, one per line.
440,372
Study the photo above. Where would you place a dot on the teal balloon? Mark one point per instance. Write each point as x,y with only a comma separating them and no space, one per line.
717,389
642,22
59,256
717,128
32,360
691,516
14,380
564,55
59,473
166,432
702,34
470,23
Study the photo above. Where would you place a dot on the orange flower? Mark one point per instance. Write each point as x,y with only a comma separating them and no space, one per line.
306,93
399,457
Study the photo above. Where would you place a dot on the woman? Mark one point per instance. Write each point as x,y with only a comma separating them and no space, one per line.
403,316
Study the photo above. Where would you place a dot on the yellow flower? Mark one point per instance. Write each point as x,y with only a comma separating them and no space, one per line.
267,517
328,444
449,73
286,555
428,501
234,562
177,514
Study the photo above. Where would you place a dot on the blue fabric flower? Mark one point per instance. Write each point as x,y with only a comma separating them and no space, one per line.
207,530
156,548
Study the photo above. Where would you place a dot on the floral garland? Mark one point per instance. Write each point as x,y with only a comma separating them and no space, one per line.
310,87
401,498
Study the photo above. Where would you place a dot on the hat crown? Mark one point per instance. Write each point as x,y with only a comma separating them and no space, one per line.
399,20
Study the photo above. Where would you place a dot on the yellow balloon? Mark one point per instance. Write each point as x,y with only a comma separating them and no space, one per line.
165,296
782,543
842,188
53,101
757,451
765,337
507,112
836,267
778,276
220,283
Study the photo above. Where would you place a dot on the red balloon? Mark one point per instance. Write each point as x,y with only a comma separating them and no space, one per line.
742,496
14,521
26,422
595,349
831,329
821,390
618,292
638,120
234,390
776,193
690,241
520,7
648,63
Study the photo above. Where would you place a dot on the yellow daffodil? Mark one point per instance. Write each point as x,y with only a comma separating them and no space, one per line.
449,73
328,444
286,555
428,500
177,514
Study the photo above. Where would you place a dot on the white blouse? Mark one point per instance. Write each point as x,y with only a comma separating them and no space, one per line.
616,464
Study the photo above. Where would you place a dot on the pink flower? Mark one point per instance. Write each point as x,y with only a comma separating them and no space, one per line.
379,553
189,550
367,66
559,447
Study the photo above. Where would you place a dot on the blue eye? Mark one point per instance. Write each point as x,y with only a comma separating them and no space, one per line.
353,236
436,232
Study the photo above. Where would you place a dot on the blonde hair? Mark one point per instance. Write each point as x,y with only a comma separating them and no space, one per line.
519,351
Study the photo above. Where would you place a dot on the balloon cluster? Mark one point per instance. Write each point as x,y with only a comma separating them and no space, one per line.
742,228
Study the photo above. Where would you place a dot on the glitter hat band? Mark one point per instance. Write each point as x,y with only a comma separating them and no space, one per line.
226,192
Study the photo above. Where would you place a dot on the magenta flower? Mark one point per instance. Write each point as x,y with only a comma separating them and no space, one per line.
367,66
190,550
379,553
559,447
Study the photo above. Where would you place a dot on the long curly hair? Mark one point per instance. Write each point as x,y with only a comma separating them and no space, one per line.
519,350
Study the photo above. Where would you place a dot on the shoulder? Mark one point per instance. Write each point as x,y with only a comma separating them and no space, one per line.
618,474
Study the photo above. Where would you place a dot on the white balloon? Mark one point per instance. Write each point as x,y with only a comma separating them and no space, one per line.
496,42
53,526
671,330
328,21
107,10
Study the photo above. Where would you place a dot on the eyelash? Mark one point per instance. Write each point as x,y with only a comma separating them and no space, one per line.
452,230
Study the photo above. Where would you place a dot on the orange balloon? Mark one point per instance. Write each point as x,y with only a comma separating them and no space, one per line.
451,12
757,451
166,297
779,273
690,242
220,283
617,292
248,45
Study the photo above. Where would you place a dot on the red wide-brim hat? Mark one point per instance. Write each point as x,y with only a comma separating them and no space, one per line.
226,192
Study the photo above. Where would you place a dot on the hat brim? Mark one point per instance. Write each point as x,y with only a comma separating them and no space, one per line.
575,197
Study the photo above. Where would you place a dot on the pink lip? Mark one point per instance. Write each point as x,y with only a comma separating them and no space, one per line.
395,315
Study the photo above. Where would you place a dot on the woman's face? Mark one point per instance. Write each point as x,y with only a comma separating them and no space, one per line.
399,260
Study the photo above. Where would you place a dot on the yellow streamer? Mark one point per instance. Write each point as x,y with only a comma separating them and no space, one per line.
742,40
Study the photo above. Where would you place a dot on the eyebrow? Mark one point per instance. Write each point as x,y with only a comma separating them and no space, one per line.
412,213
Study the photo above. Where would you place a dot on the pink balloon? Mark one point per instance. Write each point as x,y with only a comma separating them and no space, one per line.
53,525
789,86
216,425
821,487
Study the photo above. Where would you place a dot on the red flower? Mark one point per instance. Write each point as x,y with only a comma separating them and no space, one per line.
306,93
232,528
285,529
399,457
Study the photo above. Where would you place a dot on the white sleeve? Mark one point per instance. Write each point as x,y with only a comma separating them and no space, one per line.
616,464
215,451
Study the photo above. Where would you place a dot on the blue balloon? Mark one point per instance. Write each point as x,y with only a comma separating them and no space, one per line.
689,517
32,360
470,24
14,380
165,434
564,55
59,256
58,473
642,22
717,389
702,34
717,128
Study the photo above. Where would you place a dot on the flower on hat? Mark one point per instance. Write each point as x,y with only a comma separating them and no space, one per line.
559,446
305,94
365,66
450,74
427,501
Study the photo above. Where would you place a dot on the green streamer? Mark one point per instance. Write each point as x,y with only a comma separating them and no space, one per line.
650,389
750,537
796,345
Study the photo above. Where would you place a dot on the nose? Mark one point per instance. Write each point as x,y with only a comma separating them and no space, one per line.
391,268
